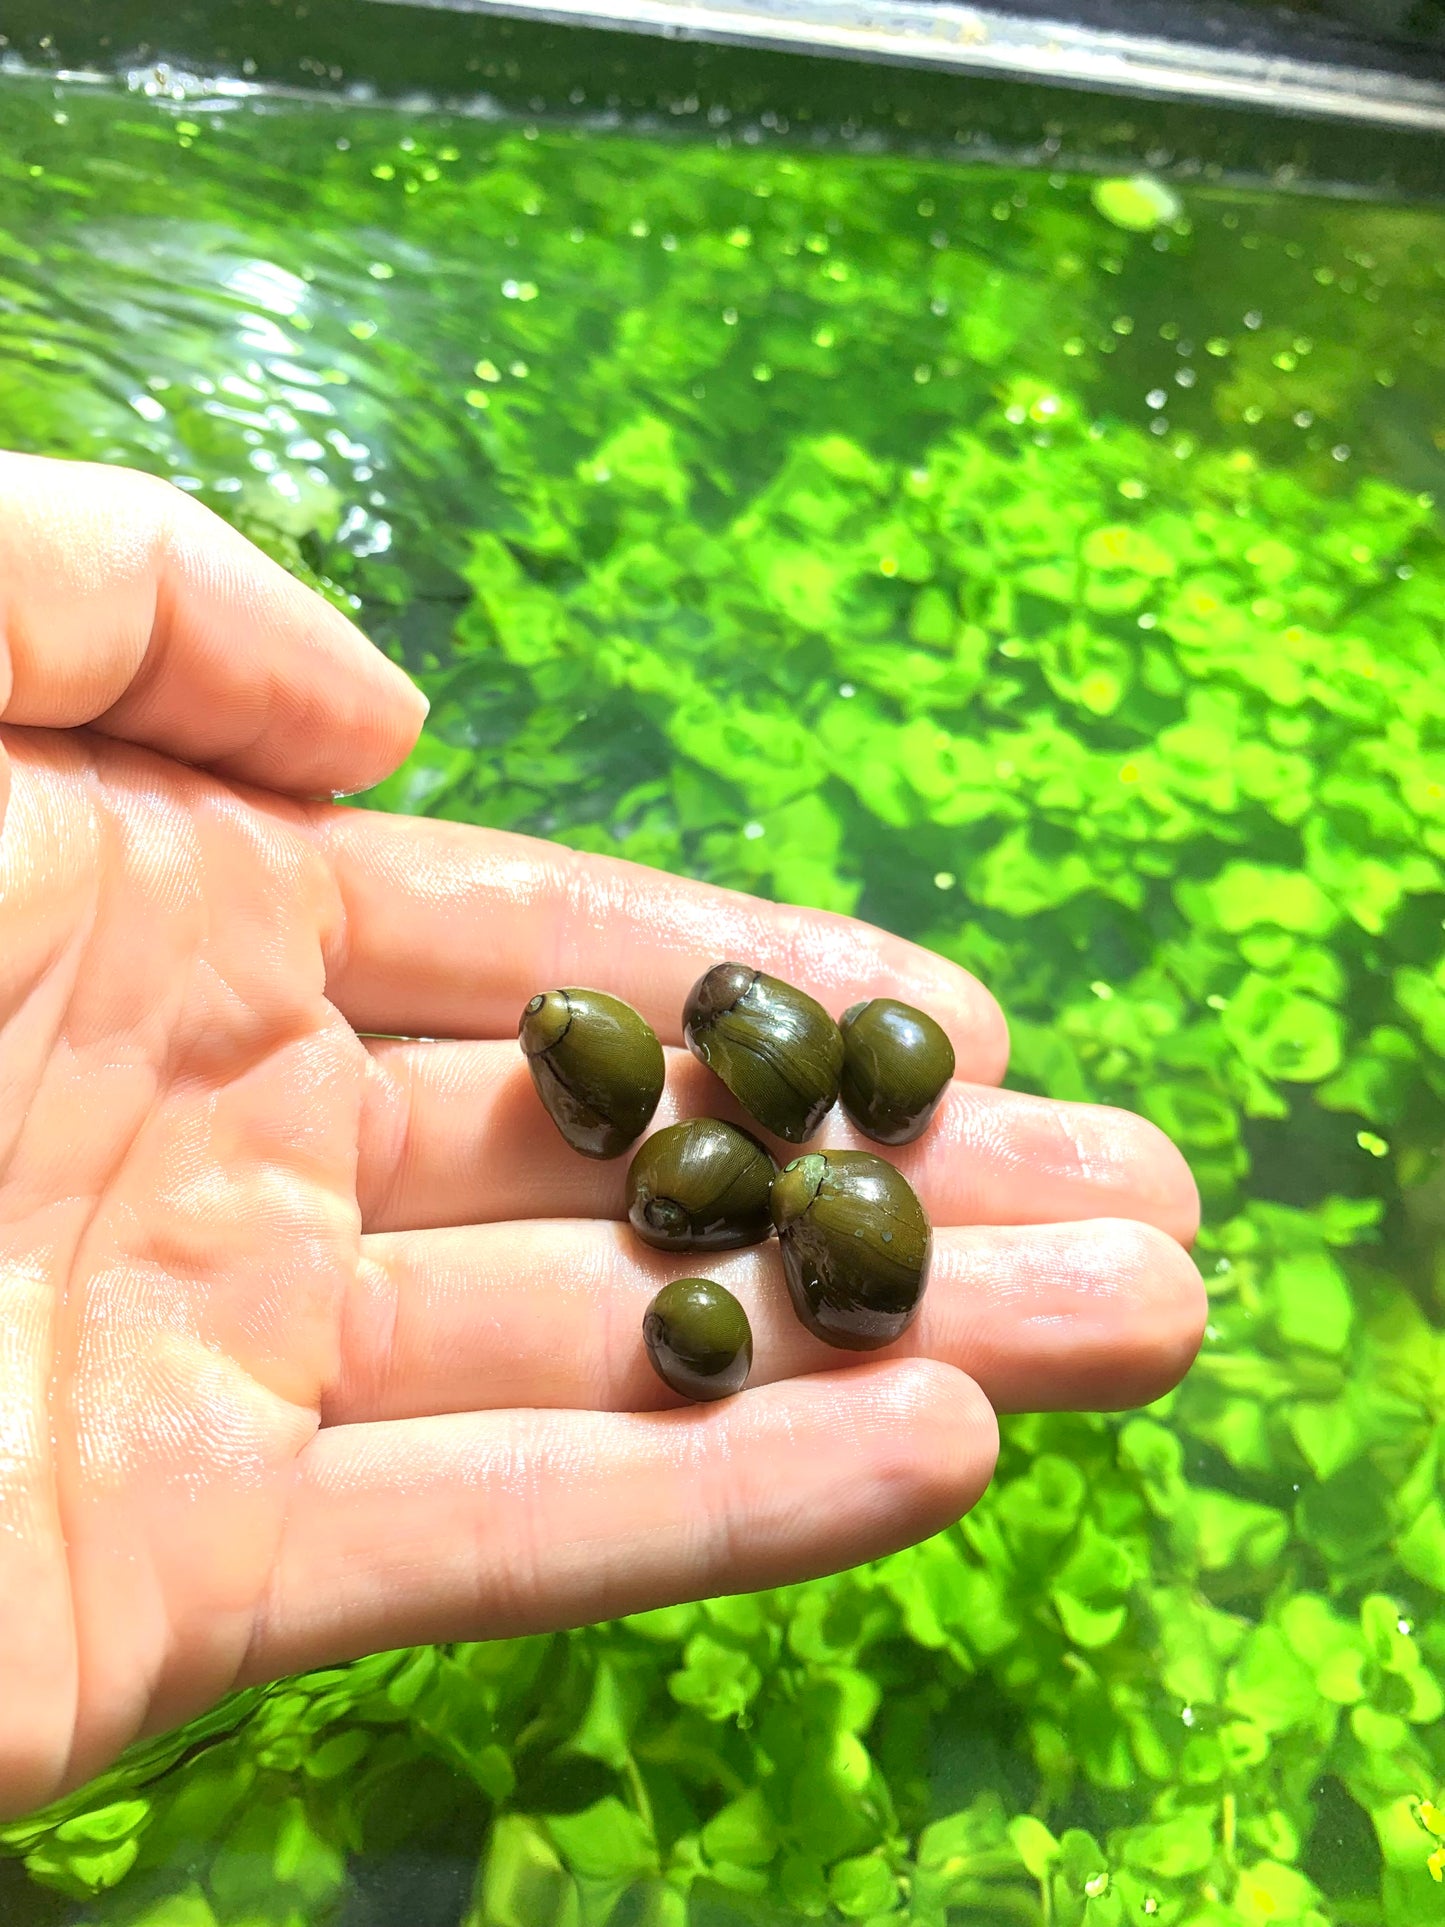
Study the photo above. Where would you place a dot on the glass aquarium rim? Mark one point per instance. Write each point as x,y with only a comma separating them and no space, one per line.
1359,81
509,59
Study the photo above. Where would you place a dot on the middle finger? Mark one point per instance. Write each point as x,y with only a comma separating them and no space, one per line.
453,1133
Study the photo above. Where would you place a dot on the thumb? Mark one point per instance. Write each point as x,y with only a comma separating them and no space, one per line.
129,608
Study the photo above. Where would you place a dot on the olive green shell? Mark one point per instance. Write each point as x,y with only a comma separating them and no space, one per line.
897,1063
856,1246
698,1338
597,1066
778,1051
701,1186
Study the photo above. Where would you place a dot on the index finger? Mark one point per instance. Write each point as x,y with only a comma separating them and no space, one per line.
447,930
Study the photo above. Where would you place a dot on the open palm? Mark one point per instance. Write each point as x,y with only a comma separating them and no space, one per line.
314,1339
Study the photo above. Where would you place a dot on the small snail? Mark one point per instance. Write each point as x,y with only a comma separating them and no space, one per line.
700,1186
597,1067
897,1063
698,1338
856,1246
778,1051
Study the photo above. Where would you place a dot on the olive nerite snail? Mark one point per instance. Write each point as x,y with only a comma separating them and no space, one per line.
596,1065
701,1186
855,1241
698,1338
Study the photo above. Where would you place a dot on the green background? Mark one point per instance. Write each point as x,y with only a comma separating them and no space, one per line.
1050,572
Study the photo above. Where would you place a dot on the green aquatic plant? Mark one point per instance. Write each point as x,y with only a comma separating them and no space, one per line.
785,543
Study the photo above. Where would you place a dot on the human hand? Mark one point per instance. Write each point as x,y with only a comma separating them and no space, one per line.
262,1403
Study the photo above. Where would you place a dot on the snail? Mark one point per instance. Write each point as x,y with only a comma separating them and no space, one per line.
897,1063
856,1246
596,1065
700,1186
777,1051
698,1338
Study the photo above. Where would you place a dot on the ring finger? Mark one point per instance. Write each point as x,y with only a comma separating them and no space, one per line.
548,1314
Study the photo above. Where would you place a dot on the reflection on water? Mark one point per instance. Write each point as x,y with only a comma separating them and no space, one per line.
1051,572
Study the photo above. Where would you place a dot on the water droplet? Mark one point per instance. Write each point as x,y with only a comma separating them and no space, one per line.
944,880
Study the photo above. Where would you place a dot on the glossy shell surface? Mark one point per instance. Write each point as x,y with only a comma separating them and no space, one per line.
856,1246
701,1186
698,1338
897,1063
596,1065
776,1048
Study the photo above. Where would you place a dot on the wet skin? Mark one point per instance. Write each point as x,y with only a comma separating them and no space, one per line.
315,1337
